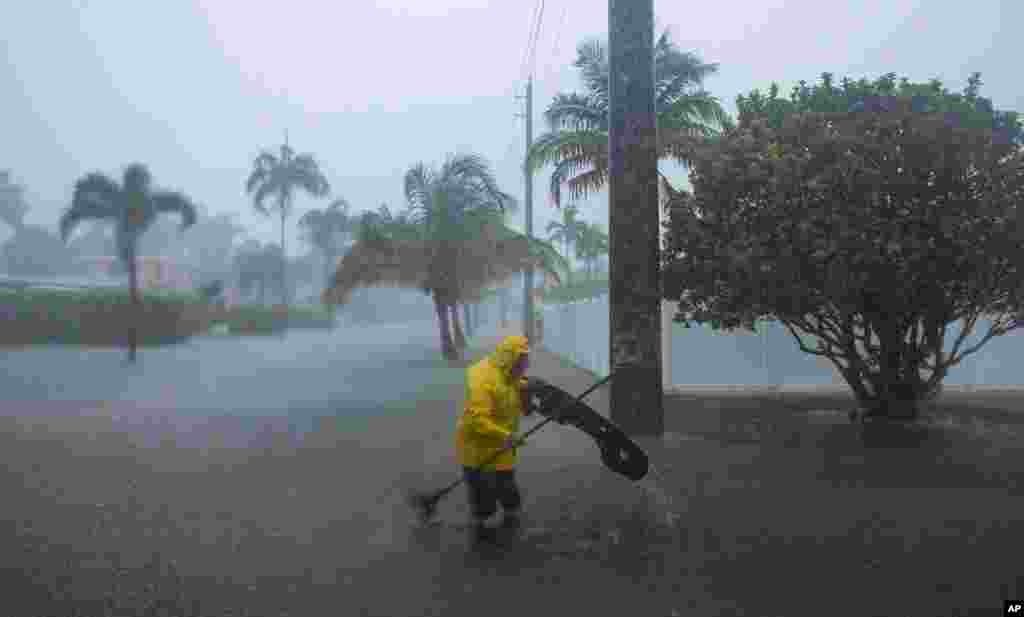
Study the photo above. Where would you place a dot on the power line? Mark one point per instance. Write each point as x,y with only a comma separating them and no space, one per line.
536,37
529,37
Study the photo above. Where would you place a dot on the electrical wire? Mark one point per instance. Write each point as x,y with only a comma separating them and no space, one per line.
536,37
534,25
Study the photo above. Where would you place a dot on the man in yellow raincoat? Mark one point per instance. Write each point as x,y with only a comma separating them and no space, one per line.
495,401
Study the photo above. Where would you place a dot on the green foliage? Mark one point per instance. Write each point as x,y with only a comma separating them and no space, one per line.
591,245
277,178
584,289
577,143
567,231
131,206
324,227
97,317
966,109
870,230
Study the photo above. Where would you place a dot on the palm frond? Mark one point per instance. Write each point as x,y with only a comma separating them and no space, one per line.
378,262
515,250
698,109
556,146
555,231
262,167
313,219
592,60
586,183
168,202
472,173
95,196
340,205
418,183
576,111
259,198
304,172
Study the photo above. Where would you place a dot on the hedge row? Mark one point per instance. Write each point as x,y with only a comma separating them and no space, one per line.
101,317
98,317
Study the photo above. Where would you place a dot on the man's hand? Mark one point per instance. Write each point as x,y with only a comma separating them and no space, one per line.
530,389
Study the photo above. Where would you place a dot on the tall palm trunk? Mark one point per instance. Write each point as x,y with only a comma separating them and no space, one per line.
136,305
447,347
460,338
284,259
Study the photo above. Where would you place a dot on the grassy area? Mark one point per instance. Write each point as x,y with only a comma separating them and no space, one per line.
256,319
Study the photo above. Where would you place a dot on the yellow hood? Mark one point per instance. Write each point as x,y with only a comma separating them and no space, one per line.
509,351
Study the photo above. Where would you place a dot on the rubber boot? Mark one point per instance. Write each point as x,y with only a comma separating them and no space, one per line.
482,534
511,520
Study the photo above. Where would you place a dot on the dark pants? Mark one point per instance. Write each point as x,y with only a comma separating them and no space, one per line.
489,488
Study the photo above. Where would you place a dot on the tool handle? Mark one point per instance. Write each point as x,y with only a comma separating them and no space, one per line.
533,430
554,415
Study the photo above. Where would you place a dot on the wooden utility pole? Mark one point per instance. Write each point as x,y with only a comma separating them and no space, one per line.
634,266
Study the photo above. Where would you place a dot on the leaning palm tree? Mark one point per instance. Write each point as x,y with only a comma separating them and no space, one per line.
577,140
444,244
279,177
566,231
481,264
132,206
395,252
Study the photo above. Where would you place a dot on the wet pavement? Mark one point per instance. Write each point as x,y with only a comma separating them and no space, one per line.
266,476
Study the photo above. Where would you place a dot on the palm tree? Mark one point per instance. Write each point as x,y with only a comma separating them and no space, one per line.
446,243
132,206
592,244
577,142
566,231
279,177
480,265
323,227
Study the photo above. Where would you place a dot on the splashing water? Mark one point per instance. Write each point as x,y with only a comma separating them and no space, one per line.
664,506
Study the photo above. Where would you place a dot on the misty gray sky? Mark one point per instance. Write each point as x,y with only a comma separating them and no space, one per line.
195,88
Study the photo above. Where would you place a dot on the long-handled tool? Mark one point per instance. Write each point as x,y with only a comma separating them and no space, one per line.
425,504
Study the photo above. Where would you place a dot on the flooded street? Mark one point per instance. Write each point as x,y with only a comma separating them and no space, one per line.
227,491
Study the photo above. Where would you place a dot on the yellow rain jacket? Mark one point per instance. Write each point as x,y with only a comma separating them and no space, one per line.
493,407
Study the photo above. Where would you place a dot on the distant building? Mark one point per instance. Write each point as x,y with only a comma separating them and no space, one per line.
154,272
